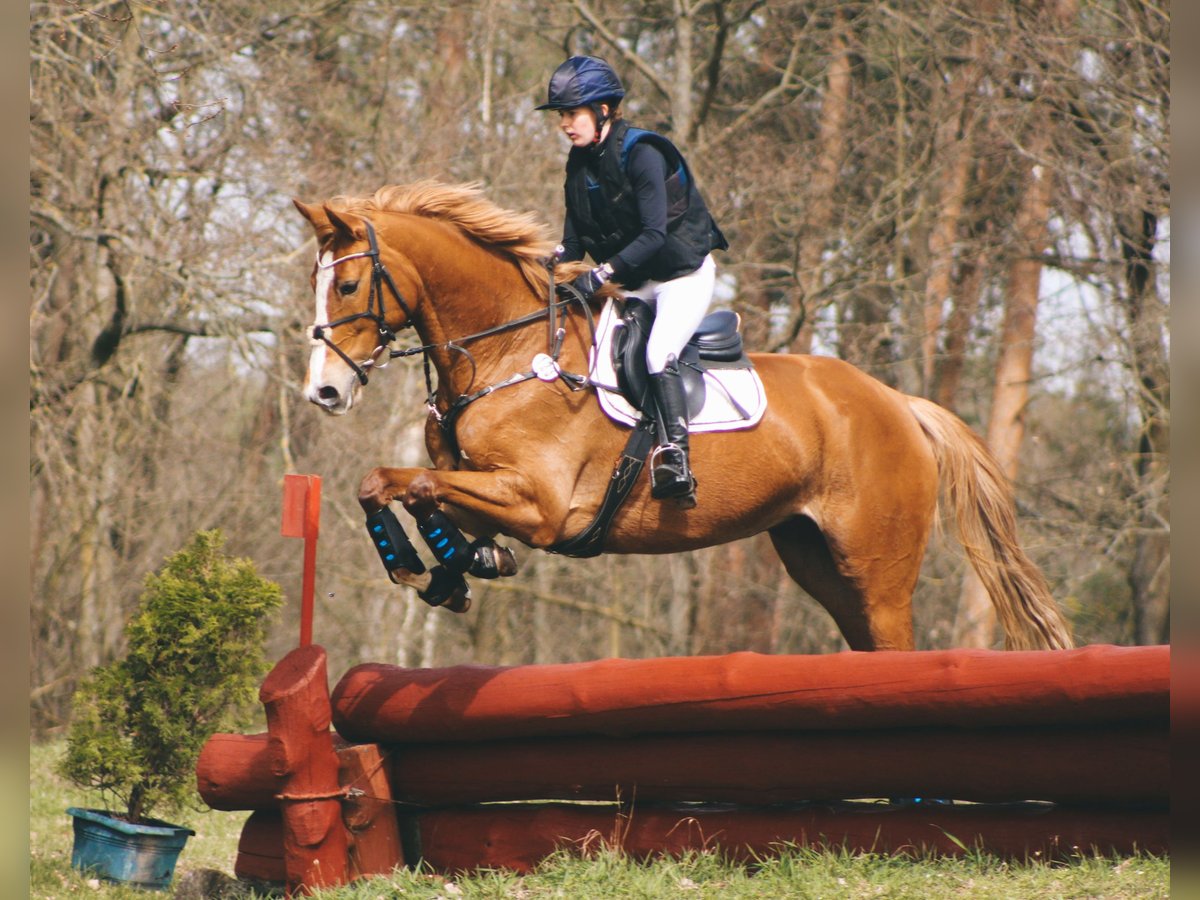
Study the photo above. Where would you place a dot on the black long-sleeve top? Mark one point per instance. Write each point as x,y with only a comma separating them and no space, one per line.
647,171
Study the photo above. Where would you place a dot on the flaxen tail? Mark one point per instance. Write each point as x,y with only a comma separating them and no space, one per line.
985,515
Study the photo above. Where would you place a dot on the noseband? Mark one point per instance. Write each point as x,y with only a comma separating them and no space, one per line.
374,311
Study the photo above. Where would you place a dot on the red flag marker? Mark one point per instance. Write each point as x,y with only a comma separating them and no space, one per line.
301,519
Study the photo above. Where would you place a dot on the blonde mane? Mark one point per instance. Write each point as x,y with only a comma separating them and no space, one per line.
520,235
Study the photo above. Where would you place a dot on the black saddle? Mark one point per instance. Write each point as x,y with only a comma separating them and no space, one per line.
717,344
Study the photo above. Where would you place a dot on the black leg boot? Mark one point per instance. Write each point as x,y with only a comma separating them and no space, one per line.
670,476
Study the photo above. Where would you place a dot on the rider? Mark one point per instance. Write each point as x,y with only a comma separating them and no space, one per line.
633,206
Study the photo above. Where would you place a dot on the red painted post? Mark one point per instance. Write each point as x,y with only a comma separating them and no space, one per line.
302,519
296,698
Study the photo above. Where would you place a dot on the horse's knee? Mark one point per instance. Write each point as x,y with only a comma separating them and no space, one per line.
420,498
374,491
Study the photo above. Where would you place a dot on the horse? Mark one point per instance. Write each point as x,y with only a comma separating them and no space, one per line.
842,471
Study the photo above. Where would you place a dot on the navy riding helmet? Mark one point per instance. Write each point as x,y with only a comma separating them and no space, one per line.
583,81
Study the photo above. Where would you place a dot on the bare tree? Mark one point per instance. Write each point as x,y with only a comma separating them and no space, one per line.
873,165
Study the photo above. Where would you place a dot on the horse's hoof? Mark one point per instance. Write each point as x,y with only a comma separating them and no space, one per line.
492,561
506,562
458,603
448,589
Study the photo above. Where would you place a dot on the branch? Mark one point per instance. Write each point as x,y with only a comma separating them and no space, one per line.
197,331
583,606
612,40
786,83
712,69
47,397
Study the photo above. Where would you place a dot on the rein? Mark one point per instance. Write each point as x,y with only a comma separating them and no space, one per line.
545,365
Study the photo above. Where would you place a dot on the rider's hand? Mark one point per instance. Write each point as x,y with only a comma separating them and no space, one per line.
591,281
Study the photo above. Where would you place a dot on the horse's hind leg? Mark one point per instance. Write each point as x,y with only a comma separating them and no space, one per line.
870,600
491,560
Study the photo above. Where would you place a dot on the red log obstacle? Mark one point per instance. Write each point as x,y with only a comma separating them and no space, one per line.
1059,752
752,691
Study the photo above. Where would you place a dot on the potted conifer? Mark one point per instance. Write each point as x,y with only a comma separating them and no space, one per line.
193,662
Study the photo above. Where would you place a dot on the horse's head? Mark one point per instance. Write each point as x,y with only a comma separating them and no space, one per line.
464,269
358,307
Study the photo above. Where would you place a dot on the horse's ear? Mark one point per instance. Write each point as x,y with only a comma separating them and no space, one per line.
316,218
351,226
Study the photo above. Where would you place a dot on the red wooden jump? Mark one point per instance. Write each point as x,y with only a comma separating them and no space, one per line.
1064,751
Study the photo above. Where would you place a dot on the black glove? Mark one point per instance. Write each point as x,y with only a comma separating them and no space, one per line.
591,281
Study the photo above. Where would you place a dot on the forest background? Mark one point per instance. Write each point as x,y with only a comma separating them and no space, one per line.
969,200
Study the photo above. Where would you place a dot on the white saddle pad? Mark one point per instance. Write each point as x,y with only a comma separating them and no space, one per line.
734,398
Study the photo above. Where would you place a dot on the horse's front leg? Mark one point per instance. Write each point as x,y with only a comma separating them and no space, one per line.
490,501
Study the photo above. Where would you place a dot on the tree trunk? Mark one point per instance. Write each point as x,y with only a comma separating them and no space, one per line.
1150,574
819,216
682,107
863,337
955,146
966,292
975,625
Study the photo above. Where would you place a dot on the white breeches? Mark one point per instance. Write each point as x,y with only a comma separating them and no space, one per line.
682,302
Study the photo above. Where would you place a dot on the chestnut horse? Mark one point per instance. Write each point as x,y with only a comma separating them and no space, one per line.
842,471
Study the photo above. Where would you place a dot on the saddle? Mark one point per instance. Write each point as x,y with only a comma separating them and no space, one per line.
716,344
714,357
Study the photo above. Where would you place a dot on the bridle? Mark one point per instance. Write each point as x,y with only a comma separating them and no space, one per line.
545,366
374,311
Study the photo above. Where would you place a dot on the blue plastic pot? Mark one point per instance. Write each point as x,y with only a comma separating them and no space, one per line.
143,855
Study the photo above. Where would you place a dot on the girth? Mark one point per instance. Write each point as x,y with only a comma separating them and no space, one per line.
590,541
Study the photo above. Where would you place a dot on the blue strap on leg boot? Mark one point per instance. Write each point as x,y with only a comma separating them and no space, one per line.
395,549
448,544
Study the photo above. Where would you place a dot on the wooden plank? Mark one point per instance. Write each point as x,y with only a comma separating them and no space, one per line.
368,811
368,814
260,849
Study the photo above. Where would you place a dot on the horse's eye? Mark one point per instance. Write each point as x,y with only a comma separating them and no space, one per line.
346,288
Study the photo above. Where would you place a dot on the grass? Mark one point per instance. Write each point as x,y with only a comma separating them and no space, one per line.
797,872
50,835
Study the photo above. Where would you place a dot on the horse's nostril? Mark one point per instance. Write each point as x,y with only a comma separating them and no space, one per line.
327,393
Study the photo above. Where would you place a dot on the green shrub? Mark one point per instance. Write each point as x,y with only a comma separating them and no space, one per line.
193,663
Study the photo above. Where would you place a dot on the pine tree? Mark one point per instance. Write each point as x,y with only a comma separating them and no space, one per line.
193,662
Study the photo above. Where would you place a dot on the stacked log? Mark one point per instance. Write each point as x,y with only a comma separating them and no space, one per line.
322,808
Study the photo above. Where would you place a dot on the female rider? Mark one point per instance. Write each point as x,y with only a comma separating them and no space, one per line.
634,208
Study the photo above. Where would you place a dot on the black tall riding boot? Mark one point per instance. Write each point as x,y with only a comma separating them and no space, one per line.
670,476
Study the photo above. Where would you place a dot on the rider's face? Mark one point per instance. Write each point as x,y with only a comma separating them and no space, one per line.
579,124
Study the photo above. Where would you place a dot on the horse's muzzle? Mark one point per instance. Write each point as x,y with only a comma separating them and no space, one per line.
330,398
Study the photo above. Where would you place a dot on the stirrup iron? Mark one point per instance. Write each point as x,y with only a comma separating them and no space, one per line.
672,479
